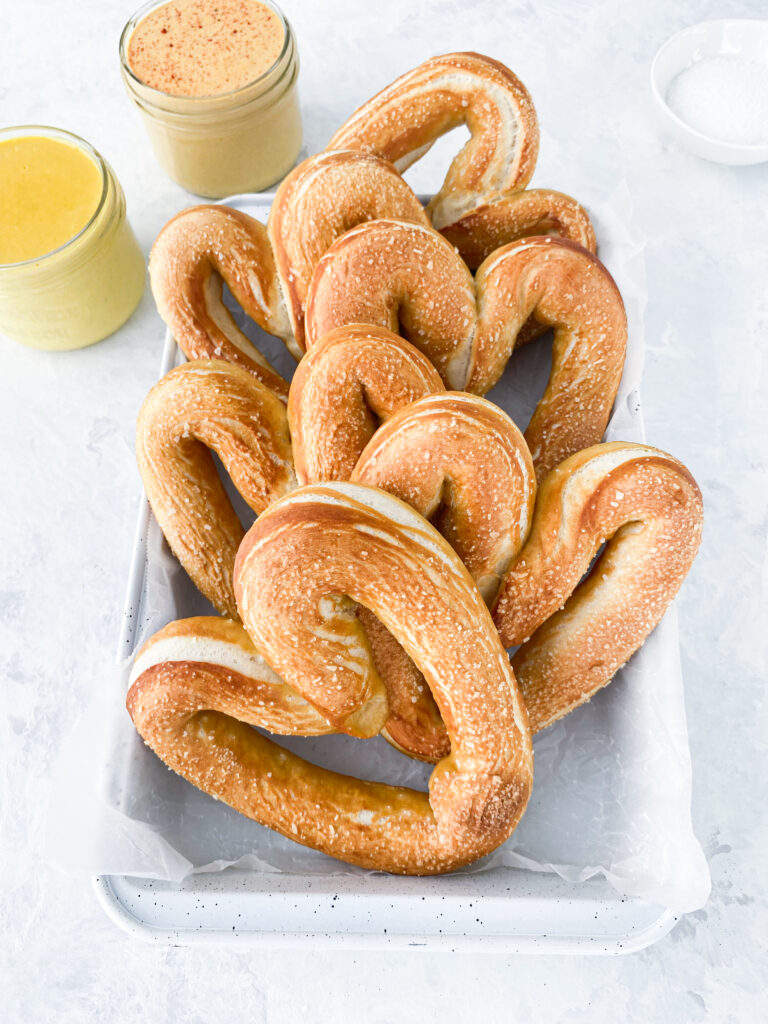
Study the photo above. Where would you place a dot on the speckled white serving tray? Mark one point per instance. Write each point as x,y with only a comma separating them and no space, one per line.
506,909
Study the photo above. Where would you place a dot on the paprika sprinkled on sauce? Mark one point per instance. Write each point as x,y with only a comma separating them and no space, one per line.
216,84
198,48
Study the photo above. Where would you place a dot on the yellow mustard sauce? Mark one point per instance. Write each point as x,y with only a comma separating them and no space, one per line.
50,190
71,271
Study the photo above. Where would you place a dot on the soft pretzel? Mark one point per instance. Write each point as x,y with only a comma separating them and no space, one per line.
321,542
322,198
268,270
354,379
575,636
202,405
463,464
402,121
405,276
483,203
516,215
194,253
197,654
396,275
562,285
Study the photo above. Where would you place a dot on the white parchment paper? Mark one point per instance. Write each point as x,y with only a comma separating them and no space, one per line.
612,781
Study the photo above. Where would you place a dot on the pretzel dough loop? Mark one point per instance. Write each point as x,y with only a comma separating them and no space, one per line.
211,404
339,539
353,380
648,508
197,251
402,121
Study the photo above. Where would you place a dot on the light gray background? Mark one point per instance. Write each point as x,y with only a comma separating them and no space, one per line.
70,492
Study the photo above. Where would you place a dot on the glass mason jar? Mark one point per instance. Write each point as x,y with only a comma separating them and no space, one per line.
239,141
83,291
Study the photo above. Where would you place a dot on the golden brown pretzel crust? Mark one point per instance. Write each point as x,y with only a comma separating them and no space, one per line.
211,404
322,198
404,276
322,541
463,464
562,285
192,656
388,273
516,215
354,378
402,121
191,256
648,507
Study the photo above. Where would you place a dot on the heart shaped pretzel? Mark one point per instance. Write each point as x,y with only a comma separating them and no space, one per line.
402,122
198,251
211,404
483,202
646,508
403,276
268,270
306,550
351,382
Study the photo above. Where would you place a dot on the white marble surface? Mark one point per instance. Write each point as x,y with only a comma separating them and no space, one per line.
71,488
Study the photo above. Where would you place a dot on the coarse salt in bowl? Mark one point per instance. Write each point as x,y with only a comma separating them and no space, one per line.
710,84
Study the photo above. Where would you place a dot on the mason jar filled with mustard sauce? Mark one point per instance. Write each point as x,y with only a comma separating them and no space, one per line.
216,85
71,271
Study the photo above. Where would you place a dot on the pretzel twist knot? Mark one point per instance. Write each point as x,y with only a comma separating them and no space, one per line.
300,567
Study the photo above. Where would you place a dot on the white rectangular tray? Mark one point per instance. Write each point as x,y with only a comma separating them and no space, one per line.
505,909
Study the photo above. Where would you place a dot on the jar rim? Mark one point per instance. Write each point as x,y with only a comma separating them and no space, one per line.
152,5
48,131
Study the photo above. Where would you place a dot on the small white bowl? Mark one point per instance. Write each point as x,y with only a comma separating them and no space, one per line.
738,38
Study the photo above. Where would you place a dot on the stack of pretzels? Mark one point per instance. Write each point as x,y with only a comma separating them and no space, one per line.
408,533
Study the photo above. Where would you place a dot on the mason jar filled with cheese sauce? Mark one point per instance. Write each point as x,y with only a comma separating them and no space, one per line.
71,271
216,85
